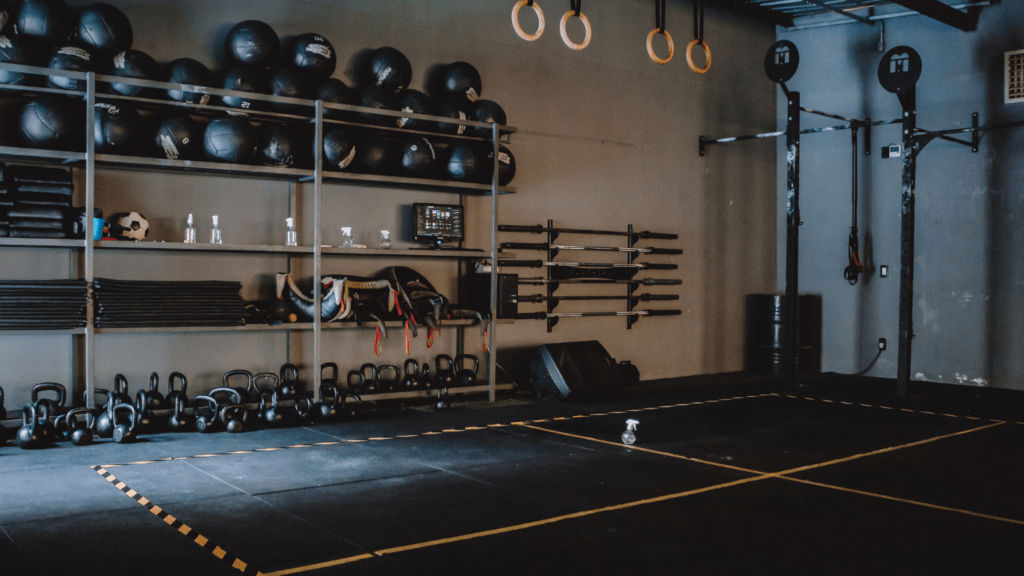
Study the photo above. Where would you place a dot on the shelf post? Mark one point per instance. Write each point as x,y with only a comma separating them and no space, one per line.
792,236
491,352
906,309
90,190
317,250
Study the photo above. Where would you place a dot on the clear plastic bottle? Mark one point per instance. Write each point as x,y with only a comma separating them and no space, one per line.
190,232
629,436
215,237
385,239
291,236
346,237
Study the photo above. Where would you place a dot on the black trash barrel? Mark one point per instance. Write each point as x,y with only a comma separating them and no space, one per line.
764,349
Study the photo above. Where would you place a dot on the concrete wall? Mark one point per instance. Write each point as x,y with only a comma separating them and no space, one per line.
969,286
606,138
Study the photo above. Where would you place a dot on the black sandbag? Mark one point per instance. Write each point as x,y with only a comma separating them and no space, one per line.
35,213
38,174
36,224
38,233
41,188
41,198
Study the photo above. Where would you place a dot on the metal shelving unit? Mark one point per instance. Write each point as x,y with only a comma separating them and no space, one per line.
90,161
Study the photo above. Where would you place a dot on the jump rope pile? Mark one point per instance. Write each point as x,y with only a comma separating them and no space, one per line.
296,73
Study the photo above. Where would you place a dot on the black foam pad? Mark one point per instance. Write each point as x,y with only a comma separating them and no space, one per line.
42,213
39,174
36,224
36,233
40,198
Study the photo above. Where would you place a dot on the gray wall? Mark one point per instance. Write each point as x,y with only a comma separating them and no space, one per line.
968,313
607,138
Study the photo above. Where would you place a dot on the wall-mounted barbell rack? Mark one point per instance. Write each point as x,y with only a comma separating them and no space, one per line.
592,273
900,79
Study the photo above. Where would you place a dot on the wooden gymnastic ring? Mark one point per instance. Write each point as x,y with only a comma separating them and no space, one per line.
650,46
565,36
519,29
689,56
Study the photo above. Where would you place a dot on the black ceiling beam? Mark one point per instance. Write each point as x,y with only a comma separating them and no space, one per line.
831,8
742,7
966,21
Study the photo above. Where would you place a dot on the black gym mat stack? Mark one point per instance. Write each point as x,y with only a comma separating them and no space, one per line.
152,303
43,304
35,202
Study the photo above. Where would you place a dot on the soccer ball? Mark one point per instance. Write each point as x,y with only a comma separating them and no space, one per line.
128,226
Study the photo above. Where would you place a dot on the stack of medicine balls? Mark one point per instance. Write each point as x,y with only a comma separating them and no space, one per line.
47,33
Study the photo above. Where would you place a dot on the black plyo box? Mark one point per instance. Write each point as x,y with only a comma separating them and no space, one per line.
478,294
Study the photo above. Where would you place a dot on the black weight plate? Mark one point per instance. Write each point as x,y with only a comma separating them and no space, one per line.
900,69
781,61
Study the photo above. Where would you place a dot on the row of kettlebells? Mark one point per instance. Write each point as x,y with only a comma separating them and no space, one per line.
369,378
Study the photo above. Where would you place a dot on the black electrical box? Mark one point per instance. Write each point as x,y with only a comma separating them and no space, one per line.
478,294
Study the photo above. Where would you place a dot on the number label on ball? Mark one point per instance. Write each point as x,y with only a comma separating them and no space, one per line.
73,51
348,159
472,95
119,61
4,16
170,150
319,49
5,42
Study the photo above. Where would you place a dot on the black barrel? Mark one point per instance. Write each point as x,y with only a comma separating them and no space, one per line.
765,348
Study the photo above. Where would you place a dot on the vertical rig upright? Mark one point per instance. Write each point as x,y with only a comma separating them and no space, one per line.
906,330
792,234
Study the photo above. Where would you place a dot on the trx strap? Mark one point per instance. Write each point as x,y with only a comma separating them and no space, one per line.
855,267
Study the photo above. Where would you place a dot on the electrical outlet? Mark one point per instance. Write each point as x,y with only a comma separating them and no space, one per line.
883,271
881,343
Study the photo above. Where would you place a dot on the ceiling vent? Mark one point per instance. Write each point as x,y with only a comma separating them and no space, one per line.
1015,76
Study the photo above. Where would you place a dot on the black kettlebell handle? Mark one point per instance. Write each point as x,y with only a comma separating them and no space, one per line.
154,383
120,385
142,400
170,383
209,402
232,373
289,369
361,380
334,394
3,411
265,376
461,357
30,415
446,358
334,371
389,368
236,396
415,367
122,407
234,412
71,419
275,399
373,380
60,390
303,412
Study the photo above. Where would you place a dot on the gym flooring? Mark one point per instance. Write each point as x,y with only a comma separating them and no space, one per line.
835,476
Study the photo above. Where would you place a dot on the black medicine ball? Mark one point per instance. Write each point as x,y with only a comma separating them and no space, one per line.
374,154
188,71
179,137
339,147
389,69
104,29
230,139
371,96
18,50
253,43
244,79
506,166
488,112
452,108
312,53
414,102
462,162
47,21
462,80
134,64
49,122
71,57
276,144
116,129
335,91
291,83
417,157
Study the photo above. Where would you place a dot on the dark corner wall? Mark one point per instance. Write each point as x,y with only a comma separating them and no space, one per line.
969,284
606,138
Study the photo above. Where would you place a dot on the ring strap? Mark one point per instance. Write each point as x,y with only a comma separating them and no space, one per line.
698,20
574,6
659,15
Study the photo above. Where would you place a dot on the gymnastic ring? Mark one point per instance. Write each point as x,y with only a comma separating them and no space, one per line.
650,46
689,56
565,36
519,29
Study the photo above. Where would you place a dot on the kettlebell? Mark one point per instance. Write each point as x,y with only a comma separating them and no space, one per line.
445,377
105,420
302,410
355,381
327,410
173,395
271,414
235,417
264,390
464,376
28,436
243,392
353,407
425,376
289,381
56,405
121,390
206,413
80,434
442,399
155,398
234,398
180,421
124,432
388,377
371,382
145,421
411,380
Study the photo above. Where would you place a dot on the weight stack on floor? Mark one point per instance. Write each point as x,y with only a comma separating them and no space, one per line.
577,369
147,303
764,349
35,201
43,304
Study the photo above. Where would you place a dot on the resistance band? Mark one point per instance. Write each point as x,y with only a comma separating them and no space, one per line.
855,268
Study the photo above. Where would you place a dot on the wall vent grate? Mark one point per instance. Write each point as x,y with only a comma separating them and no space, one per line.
1014,76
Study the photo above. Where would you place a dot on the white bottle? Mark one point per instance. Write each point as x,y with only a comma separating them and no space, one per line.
215,237
385,239
291,236
346,237
190,232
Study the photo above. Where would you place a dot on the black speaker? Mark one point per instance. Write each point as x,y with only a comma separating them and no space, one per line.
478,294
577,369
